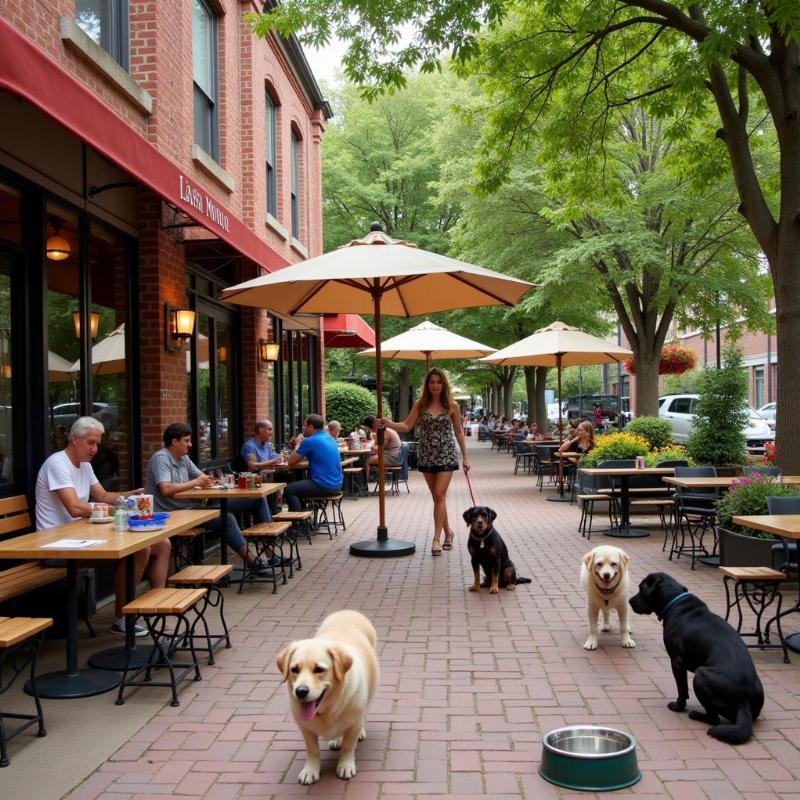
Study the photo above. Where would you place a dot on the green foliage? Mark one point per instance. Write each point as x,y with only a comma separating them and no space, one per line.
655,430
717,435
748,496
576,380
349,403
613,446
672,452
687,383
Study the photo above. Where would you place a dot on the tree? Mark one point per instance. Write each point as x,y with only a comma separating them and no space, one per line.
745,56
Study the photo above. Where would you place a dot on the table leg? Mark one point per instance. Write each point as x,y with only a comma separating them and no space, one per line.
73,682
625,531
560,497
115,658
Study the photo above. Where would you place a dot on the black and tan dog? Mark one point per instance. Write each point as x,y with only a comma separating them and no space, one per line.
697,640
489,551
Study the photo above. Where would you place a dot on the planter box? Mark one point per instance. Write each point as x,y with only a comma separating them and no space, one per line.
729,472
736,550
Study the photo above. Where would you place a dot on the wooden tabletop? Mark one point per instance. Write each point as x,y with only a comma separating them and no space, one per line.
787,525
718,482
628,471
114,544
215,493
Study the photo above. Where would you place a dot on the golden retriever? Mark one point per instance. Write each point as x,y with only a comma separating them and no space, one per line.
604,578
331,680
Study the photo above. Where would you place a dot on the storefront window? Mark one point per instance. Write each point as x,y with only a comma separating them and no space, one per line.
204,432
10,215
105,22
224,391
6,387
63,323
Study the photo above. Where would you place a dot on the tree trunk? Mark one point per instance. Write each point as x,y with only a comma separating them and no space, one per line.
509,375
646,382
403,379
541,406
530,392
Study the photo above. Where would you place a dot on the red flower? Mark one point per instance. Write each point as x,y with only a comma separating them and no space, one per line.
675,360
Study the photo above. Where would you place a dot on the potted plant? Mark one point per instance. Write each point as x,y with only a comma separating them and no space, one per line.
717,435
675,359
745,547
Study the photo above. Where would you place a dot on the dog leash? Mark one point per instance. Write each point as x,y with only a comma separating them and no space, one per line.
469,486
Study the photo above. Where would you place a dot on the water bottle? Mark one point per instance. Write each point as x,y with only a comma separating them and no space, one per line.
120,514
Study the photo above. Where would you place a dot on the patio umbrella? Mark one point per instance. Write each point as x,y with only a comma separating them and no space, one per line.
58,368
108,355
559,345
378,275
428,341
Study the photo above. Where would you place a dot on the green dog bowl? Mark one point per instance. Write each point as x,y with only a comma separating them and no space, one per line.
589,758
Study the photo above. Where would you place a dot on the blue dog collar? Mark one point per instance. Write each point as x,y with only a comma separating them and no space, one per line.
676,599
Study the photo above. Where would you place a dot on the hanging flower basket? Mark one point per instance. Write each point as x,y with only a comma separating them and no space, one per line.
675,360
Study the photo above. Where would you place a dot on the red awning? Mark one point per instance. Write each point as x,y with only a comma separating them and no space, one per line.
31,74
347,330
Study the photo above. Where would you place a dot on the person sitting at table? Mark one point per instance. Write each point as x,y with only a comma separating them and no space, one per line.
582,441
64,486
171,471
533,432
334,428
258,453
392,445
324,464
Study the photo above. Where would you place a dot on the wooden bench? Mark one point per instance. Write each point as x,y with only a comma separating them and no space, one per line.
20,639
301,524
267,537
759,587
332,521
209,576
26,577
183,547
155,606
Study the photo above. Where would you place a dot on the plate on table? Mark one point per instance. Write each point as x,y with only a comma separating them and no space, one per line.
154,526
99,520
146,524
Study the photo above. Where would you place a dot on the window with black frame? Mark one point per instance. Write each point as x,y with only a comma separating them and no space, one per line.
295,186
271,155
204,73
105,22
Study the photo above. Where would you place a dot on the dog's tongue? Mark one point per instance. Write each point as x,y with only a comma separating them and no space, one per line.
307,711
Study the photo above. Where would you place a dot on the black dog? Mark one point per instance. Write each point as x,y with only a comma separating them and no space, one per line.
488,550
697,640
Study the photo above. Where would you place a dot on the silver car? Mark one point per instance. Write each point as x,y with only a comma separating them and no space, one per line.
679,409
768,412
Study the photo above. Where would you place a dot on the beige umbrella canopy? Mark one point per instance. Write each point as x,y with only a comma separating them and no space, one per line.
378,275
429,341
559,345
108,355
58,368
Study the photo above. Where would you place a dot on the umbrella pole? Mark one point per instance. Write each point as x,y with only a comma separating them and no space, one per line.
560,497
382,546
427,360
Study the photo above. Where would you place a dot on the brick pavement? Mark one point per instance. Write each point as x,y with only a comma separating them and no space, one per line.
468,682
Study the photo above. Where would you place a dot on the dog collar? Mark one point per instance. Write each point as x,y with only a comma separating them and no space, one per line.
674,601
481,538
604,591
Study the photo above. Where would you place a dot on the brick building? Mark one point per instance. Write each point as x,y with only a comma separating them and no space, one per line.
151,153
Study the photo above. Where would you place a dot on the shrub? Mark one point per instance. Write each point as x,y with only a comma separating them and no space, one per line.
349,403
672,452
721,416
615,445
657,431
748,495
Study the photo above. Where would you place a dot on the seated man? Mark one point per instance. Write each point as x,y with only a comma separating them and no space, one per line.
258,453
171,471
392,445
334,428
64,485
324,464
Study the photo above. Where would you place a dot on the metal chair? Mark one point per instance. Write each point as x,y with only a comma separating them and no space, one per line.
399,473
695,515
771,472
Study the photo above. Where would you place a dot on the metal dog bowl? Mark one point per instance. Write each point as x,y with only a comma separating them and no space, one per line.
589,758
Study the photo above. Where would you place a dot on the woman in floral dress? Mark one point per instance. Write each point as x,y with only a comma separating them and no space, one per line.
439,420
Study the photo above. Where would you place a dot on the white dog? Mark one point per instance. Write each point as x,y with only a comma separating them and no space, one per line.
604,578
332,679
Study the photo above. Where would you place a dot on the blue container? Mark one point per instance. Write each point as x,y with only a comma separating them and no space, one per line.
157,520
589,758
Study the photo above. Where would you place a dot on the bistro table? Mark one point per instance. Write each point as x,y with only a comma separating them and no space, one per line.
112,546
225,495
721,483
624,531
569,455
785,526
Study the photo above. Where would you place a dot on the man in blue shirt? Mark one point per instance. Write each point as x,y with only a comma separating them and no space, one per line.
324,464
258,453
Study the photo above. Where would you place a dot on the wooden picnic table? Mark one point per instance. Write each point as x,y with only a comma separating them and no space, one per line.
110,545
785,526
625,531
718,482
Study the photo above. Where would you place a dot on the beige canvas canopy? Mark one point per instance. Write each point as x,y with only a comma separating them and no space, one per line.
378,275
58,368
429,341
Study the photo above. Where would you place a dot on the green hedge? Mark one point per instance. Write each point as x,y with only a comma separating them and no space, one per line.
657,431
614,446
349,403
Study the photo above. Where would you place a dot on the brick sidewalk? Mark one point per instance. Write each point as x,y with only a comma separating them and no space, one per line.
468,682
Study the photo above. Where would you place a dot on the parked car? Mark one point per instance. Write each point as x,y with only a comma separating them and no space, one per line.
768,411
679,409
66,413
579,406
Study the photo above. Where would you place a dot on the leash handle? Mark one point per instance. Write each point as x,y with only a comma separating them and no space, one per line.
469,486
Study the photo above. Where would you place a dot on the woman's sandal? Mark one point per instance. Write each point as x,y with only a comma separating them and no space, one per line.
436,551
448,541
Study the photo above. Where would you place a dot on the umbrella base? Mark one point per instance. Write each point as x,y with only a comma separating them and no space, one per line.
382,547
559,498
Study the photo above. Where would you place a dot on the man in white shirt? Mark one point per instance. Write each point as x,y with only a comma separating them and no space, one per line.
64,487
